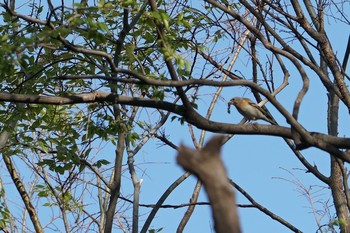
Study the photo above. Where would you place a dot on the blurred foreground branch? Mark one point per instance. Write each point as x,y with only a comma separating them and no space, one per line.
207,165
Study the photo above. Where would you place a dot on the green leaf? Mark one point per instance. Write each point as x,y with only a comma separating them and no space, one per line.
42,194
194,105
60,169
101,162
155,230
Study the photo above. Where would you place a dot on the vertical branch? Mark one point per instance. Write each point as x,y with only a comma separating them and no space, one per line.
63,209
346,56
21,189
122,35
168,62
208,166
3,203
4,136
116,180
137,185
338,176
191,208
125,31
102,205
198,145
219,90
58,195
122,135
131,154
339,198
195,192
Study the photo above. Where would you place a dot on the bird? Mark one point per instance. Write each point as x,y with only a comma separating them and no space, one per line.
250,110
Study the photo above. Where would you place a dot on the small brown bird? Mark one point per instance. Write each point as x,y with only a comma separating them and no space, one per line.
250,110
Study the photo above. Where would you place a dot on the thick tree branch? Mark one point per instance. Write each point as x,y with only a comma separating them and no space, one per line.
115,181
193,118
208,166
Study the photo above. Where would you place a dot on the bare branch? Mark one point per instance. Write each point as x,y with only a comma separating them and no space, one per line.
264,209
161,201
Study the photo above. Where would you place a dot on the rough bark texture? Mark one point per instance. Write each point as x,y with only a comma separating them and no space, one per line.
208,166
4,136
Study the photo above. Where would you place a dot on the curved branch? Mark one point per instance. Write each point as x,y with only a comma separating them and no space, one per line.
287,50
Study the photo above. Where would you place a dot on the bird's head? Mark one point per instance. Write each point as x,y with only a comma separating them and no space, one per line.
234,101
